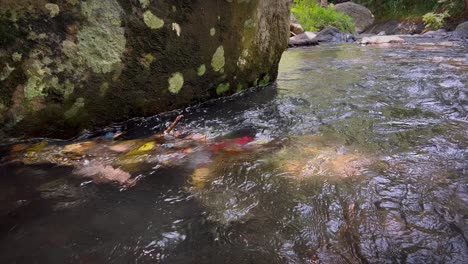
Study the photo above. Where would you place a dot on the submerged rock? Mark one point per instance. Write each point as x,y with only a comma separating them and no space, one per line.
69,65
361,15
306,157
381,40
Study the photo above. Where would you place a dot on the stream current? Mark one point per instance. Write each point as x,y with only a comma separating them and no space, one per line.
356,155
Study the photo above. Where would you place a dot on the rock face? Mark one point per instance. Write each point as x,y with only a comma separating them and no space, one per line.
333,35
69,65
461,32
361,15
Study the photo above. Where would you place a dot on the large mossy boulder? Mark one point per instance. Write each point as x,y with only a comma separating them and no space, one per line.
66,65
361,15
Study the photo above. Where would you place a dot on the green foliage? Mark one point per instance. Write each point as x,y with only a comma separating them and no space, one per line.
315,18
434,13
435,20
399,9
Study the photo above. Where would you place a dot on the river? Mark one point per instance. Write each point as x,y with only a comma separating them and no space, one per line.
358,154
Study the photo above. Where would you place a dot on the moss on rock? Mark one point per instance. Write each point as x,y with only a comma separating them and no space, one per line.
68,65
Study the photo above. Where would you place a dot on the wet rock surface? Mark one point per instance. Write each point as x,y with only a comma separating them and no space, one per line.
333,35
461,32
304,39
378,171
381,40
72,65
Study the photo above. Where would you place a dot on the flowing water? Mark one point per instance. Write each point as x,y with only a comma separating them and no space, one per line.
356,155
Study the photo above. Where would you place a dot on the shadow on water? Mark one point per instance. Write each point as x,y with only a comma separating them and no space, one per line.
356,155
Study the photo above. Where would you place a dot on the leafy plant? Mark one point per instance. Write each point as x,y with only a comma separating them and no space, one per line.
435,20
435,12
312,17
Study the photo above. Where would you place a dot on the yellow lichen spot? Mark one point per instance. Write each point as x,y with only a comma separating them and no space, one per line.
53,9
201,70
176,27
212,31
17,57
147,59
222,88
5,73
218,61
152,21
176,82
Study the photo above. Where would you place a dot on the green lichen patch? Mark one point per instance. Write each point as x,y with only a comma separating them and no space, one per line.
5,73
152,21
34,87
145,3
201,70
103,88
16,57
102,41
68,89
53,9
218,61
249,23
176,82
265,81
222,88
146,60
240,88
212,31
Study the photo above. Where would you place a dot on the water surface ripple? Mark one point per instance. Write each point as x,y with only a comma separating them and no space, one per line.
359,155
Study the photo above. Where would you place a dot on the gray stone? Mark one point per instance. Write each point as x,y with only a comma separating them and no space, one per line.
381,40
333,35
304,39
361,15
461,32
